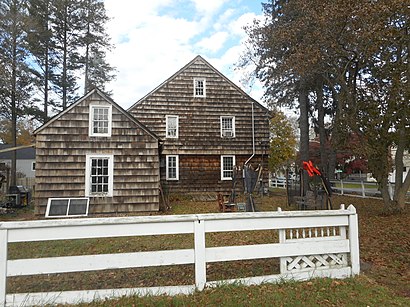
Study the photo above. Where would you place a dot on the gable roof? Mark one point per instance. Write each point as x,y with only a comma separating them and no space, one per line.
106,98
198,57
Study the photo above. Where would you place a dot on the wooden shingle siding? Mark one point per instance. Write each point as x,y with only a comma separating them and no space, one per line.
200,140
62,146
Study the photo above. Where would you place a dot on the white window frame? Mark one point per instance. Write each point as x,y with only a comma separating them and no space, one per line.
222,166
224,132
204,87
167,167
91,120
67,214
110,175
167,117
33,166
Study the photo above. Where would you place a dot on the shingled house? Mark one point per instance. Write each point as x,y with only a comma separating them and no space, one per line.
95,149
207,125
187,135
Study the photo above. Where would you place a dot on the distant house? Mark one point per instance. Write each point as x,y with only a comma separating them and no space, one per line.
96,149
207,125
25,163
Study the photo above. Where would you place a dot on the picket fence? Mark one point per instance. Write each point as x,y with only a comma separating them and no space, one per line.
311,244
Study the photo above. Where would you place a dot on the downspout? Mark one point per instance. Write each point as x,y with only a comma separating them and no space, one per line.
253,136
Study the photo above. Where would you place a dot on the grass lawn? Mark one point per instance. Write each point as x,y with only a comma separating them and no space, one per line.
384,253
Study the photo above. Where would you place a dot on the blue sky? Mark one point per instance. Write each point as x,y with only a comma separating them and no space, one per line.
155,38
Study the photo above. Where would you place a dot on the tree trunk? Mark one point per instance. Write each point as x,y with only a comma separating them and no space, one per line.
304,130
65,51
322,130
400,187
13,170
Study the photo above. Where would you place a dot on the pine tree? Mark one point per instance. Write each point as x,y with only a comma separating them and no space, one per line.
15,78
42,50
67,26
96,42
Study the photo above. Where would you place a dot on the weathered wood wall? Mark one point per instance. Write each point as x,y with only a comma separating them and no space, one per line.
200,139
202,174
62,147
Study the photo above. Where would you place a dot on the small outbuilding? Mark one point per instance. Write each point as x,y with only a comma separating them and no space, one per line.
97,150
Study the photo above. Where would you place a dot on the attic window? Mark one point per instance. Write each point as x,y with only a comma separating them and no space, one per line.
199,87
100,121
64,207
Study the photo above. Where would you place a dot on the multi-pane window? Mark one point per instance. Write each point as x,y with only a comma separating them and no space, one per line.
199,87
227,165
172,126
172,170
227,126
100,120
99,175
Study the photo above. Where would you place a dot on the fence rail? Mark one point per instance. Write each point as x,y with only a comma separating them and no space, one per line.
311,244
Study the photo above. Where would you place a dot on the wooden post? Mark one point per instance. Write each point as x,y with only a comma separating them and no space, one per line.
200,261
3,266
282,239
363,191
354,241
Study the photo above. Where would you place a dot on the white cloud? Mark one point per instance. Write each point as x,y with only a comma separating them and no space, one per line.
208,6
213,43
155,38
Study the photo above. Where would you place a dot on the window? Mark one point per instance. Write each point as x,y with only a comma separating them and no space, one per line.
99,175
227,164
100,120
227,126
172,170
33,166
172,126
62,207
199,87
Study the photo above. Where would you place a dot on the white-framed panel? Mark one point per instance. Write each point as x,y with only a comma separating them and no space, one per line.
227,167
172,126
99,175
100,120
199,87
67,207
227,126
172,167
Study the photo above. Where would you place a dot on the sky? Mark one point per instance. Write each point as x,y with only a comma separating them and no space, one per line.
155,38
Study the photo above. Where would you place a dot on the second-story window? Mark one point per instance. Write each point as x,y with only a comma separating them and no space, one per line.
172,126
100,120
199,87
227,126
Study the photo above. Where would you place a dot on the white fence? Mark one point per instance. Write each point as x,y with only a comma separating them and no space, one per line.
311,244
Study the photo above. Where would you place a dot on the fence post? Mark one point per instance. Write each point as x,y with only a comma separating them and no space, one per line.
3,266
282,239
363,191
354,241
200,261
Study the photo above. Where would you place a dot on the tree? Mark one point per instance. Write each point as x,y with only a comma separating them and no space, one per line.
283,142
42,50
359,53
24,134
96,41
67,26
16,77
